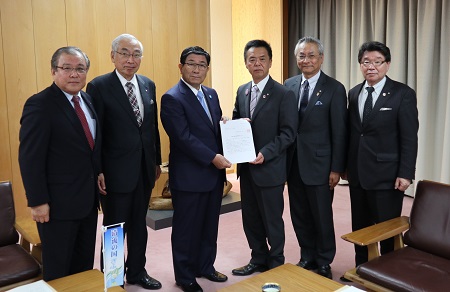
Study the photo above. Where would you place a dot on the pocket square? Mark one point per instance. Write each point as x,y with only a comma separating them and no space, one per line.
318,102
385,109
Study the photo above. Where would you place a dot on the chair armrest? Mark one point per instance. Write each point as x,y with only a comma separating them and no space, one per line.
371,235
378,232
28,230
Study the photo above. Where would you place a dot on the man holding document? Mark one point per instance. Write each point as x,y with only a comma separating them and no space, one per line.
190,114
271,110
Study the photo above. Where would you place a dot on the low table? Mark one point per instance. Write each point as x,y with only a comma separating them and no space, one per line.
289,277
91,280
159,219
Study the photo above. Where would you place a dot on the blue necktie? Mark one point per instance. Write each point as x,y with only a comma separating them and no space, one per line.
201,99
303,101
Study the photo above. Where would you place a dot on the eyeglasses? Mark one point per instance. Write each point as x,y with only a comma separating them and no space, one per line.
374,63
310,57
128,55
193,66
69,70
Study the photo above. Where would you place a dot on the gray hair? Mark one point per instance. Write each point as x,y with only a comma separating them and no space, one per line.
125,36
309,39
73,51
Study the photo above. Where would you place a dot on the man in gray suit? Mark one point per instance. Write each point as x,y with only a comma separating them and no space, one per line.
271,110
317,157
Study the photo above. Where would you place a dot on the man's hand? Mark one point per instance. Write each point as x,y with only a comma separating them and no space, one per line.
221,162
40,213
333,179
402,184
101,184
224,119
259,159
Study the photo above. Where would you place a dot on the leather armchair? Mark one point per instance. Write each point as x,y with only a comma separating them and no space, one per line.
421,259
17,265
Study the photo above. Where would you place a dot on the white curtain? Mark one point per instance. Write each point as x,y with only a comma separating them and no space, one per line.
418,35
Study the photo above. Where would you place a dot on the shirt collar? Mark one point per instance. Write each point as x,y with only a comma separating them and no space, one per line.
261,83
123,81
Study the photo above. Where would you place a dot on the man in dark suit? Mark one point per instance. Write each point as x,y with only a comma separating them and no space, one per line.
190,113
272,112
131,154
59,157
382,152
317,158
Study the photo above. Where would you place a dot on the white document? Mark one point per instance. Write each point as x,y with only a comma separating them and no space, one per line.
237,141
39,286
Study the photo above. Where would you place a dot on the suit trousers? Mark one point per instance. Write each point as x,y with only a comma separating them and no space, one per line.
262,218
371,207
130,208
312,218
194,232
68,246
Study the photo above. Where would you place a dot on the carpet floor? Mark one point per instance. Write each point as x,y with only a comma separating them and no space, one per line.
233,250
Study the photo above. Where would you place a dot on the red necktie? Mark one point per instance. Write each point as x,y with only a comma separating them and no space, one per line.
82,117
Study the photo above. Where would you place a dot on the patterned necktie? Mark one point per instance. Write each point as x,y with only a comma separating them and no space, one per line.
82,117
303,100
254,99
134,103
368,104
201,99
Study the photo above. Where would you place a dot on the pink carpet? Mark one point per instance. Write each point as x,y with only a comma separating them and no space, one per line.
233,250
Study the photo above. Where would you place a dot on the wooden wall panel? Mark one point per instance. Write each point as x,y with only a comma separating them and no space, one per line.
20,77
5,149
48,36
262,21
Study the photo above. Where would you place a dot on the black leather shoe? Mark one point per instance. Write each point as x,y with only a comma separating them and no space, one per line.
249,269
191,287
325,271
308,265
146,282
216,277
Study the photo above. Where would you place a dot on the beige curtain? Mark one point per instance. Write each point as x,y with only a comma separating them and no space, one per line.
418,34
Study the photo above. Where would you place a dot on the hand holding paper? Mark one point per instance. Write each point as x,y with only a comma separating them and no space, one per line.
237,141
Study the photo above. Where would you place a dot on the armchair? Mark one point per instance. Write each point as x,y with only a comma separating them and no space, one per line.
17,265
424,263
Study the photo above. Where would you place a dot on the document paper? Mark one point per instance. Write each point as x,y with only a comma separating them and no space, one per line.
237,141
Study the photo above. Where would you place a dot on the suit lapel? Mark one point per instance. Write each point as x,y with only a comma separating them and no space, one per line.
146,97
263,99
296,87
195,103
121,97
317,93
68,110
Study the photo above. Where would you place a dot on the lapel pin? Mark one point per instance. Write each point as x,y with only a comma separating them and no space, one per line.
210,97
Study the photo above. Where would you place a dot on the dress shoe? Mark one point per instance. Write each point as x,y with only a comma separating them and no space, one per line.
146,282
191,287
216,277
325,271
308,265
249,269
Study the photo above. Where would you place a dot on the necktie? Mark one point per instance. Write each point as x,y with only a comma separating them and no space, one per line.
133,101
304,100
201,99
254,99
368,104
82,117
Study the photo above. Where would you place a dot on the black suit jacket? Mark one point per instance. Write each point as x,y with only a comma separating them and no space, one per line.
57,164
385,147
322,136
124,142
274,126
